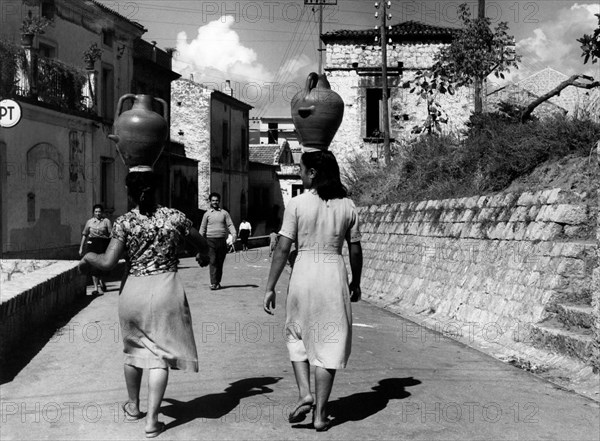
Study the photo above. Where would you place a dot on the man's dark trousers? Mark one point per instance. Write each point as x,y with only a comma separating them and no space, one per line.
217,251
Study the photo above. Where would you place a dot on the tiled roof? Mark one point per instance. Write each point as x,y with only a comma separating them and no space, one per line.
264,153
408,30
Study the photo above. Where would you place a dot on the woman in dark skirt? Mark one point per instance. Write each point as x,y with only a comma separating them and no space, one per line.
95,238
155,318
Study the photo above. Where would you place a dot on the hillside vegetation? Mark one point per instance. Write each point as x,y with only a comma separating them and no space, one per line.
497,153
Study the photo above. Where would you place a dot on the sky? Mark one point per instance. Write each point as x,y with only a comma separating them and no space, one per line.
267,48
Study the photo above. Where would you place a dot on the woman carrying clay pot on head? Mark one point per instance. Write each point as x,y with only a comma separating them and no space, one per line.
154,315
318,312
95,238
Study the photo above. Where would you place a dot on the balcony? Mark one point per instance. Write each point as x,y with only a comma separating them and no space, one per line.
45,82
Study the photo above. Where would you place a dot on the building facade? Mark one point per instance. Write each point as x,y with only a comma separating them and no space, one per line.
57,162
213,127
353,67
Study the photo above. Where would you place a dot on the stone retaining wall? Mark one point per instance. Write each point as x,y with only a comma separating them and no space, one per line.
497,263
26,303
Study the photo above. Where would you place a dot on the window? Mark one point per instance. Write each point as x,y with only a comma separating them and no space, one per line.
108,92
48,9
244,145
108,38
273,134
225,146
374,114
107,182
297,189
30,207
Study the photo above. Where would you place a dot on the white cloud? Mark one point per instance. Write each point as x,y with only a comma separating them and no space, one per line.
218,51
554,43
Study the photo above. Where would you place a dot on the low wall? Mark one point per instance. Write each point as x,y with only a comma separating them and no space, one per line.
29,299
496,263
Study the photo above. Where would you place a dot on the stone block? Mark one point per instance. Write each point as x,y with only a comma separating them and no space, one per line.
467,216
519,214
527,198
553,196
550,230
573,231
568,214
471,202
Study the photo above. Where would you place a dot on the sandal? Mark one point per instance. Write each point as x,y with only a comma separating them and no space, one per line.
300,412
160,428
129,416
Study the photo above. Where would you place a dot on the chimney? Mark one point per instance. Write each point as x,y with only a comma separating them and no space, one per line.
228,90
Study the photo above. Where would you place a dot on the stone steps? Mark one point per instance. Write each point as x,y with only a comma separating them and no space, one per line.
575,316
571,340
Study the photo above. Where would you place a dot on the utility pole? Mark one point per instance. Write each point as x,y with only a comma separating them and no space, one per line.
384,80
479,81
320,3
320,41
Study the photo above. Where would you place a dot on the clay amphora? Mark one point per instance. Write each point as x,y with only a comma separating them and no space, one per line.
140,133
317,112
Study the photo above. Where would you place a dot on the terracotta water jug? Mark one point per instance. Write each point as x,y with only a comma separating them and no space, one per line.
140,133
317,113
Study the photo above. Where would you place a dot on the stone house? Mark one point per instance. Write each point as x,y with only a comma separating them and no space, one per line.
571,101
57,162
213,128
274,179
274,130
353,67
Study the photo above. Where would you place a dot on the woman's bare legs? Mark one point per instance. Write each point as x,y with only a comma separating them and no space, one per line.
323,384
157,384
305,398
133,380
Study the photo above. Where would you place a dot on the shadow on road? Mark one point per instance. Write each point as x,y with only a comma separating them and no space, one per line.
357,407
37,337
238,286
218,405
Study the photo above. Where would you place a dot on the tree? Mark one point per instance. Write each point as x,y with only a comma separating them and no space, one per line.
475,53
590,47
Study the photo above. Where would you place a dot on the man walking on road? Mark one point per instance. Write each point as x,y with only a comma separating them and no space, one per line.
216,226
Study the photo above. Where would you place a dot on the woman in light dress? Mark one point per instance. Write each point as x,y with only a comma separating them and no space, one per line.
154,314
318,312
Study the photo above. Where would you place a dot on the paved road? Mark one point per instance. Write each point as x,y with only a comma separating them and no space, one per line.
403,382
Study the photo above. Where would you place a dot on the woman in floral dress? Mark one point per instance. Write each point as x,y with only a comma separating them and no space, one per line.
318,312
155,319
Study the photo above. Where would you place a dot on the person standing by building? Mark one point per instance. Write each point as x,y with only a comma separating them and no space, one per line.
215,227
318,313
245,233
95,238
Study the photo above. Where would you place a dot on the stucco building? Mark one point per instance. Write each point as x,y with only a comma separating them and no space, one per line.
353,67
57,162
213,128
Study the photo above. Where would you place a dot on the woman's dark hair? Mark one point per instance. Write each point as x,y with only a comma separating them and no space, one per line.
100,206
327,181
141,188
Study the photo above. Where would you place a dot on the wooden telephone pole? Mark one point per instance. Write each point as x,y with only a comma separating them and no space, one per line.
384,79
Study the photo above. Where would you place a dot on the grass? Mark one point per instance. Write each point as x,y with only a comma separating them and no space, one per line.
495,150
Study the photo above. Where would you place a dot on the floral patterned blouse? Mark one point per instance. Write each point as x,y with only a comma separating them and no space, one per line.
152,242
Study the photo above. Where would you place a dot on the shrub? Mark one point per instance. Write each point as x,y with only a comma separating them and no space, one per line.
495,150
